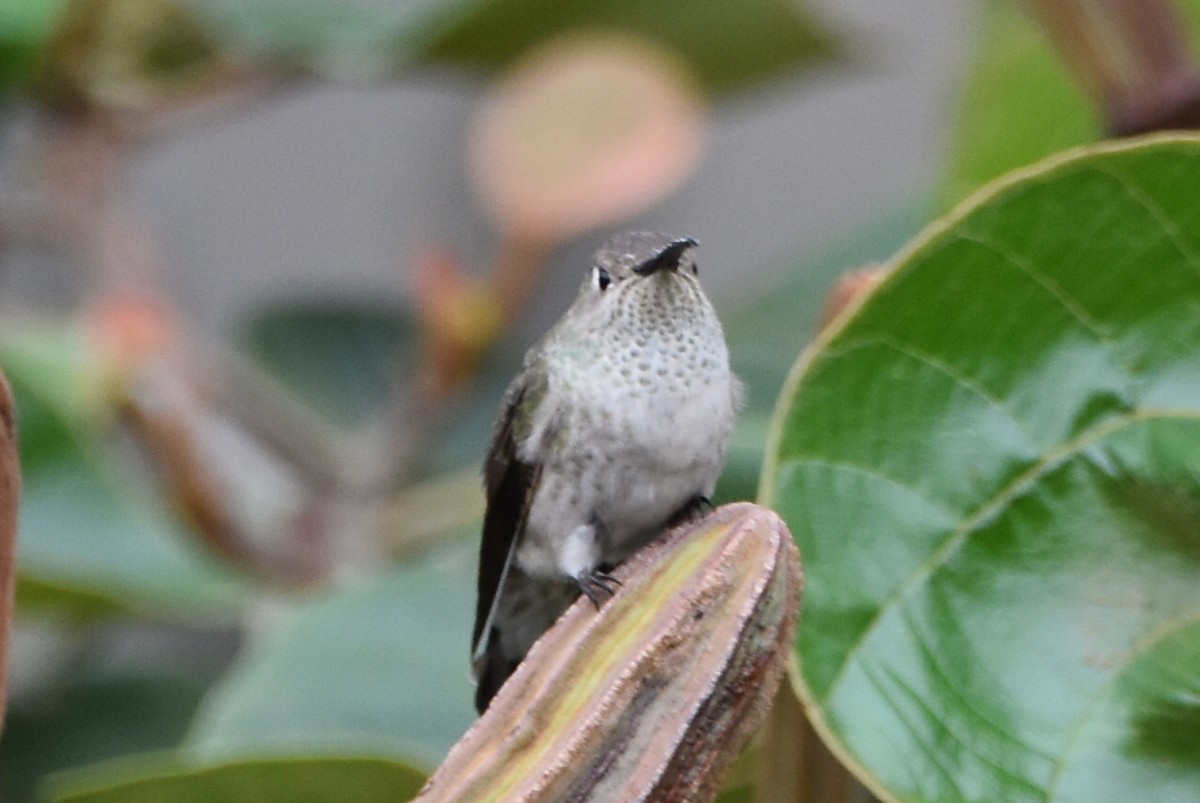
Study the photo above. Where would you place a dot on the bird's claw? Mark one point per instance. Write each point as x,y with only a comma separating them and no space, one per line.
596,584
695,508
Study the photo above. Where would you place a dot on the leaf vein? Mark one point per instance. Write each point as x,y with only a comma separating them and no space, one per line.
931,754
820,460
948,370
1160,216
1043,280
964,701
990,508
1078,725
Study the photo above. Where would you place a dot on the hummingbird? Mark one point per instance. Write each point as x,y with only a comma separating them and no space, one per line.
615,428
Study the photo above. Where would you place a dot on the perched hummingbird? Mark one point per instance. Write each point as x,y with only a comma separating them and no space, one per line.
616,427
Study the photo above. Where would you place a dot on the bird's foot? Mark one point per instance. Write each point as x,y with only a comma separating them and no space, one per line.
596,584
695,508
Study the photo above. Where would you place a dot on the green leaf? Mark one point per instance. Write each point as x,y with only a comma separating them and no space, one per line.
351,779
992,469
728,45
382,668
92,716
765,334
29,20
1020,104
341,38
25,25
344,360
342,700
464,427
90,538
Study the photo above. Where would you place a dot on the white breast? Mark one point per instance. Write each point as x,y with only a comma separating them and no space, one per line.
636,436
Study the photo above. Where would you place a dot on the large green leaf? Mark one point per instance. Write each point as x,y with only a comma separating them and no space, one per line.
382,668
992,468
279,780
1020,103
91,537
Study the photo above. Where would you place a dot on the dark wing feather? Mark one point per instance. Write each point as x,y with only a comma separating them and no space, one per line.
509,483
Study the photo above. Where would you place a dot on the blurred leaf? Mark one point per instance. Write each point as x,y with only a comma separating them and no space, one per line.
354,39
991,470
739,478
740,782
344,360
90,538
1020,103
126,54
766,333
585,131
728,45
381,668
463,441
740,793
24,27
93,717
268,780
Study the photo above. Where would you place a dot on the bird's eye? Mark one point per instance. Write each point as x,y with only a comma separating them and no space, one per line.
603,280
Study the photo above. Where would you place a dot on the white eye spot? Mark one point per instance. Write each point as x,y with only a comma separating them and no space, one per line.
601,279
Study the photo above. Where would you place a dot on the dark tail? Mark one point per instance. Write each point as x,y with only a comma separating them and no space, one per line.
493,670
527,608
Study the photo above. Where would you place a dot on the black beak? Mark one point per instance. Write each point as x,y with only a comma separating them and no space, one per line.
667,258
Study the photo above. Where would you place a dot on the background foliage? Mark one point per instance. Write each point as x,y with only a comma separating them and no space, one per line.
989,464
